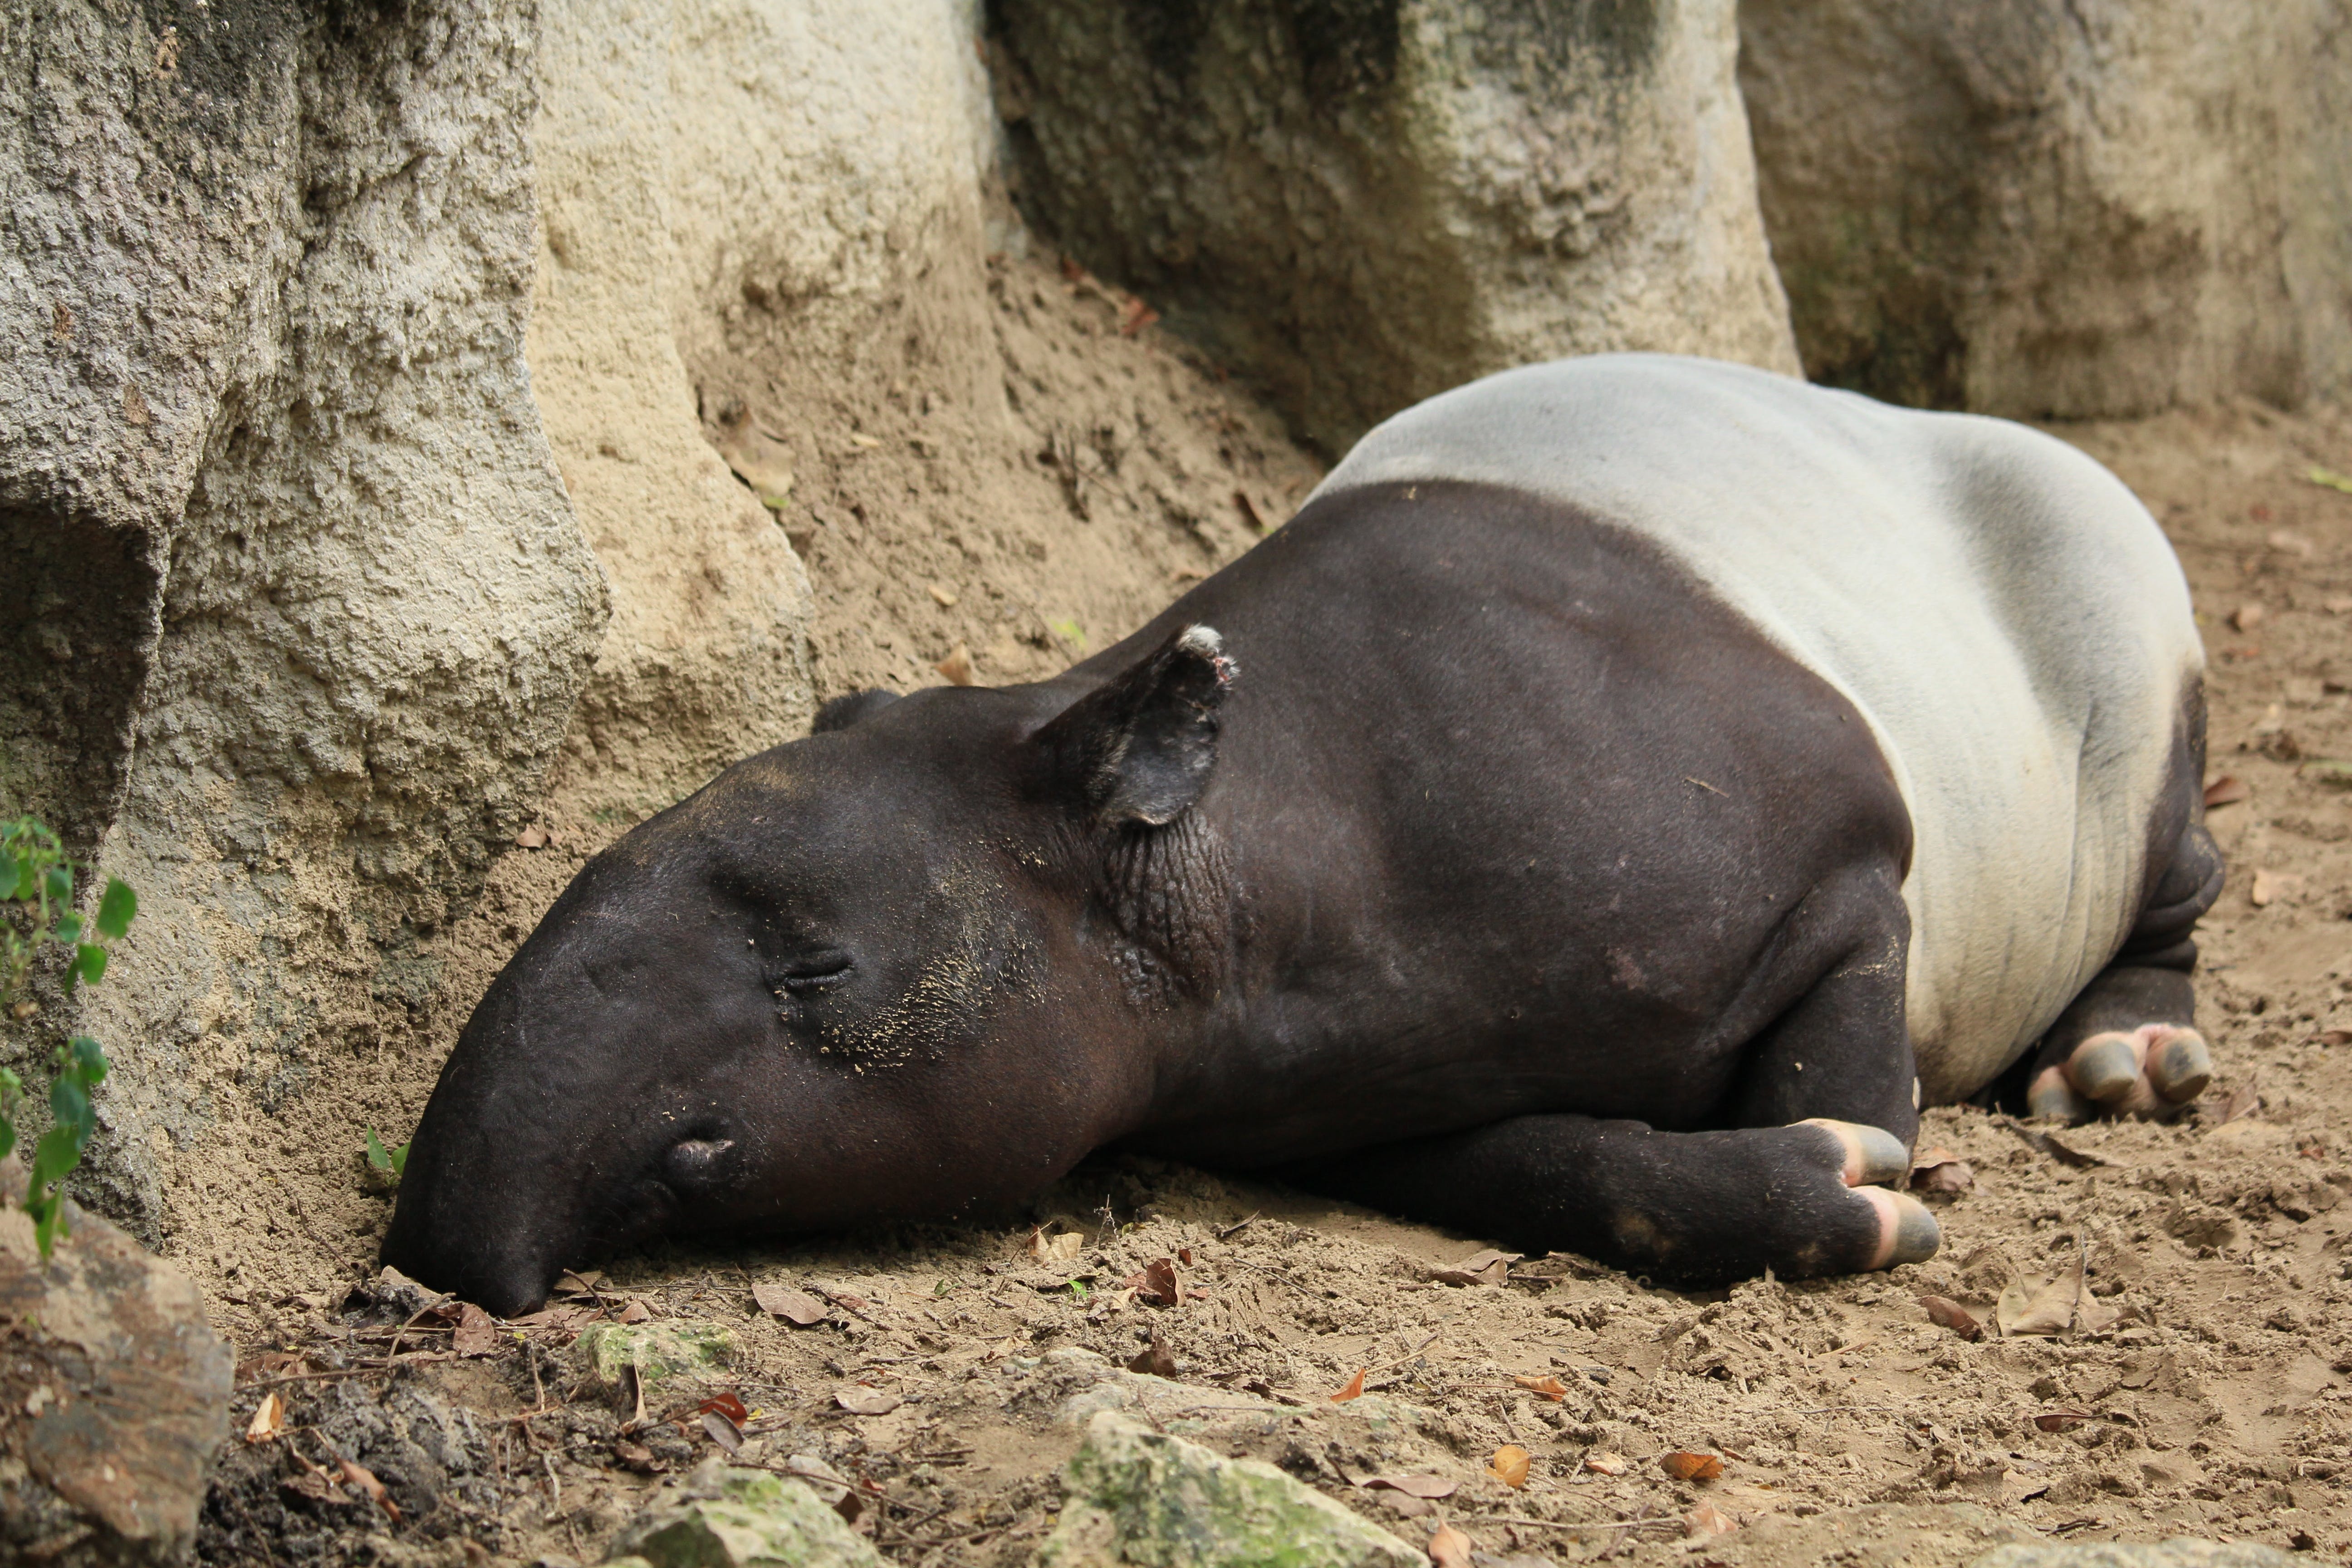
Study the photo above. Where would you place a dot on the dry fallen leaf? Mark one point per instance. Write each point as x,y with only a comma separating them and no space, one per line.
1405,1503
268,1419
2268,886
477,1332
792,1306
2336,1037
2247,616
364,1478
1487,1268
1684,1465
944,594
1706,1521
2052,1307
1157,1359
2063,1420
1135,316
1056,1248
578,1282
635,1457
2226,790
1355,1389
957,666
1156,1283
1509,1465
636,1311
1428,1487
532,837
1449,1548
864,1401
726,1404
722,1431
2244,1100
1604,1463
1545,1387
1941,1171
1249,510
1945,1311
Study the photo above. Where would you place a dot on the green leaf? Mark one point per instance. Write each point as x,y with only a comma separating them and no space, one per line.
59,880
54,1157
381,1157
87,1059
2331,478
1070,632
69,1102
116,908
21,878
68,926
89,965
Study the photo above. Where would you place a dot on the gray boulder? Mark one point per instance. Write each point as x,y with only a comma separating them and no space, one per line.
2058,207
1365,205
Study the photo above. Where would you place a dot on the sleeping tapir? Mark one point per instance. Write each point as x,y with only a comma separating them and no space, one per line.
1621,797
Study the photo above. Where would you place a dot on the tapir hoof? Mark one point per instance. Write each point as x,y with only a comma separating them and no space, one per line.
1873,1155
1907,1233
2052,1095
2105,1068
2180,1066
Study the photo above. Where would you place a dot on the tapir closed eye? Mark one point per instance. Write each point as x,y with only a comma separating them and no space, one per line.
1626,789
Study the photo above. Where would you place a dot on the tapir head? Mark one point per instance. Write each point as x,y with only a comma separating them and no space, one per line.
900,969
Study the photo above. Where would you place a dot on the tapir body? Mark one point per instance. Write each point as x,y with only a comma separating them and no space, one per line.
1626,790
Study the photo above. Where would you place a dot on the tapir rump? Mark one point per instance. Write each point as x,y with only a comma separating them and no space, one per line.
1626,791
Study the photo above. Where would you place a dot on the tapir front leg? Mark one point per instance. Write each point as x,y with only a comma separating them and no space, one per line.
1824,1111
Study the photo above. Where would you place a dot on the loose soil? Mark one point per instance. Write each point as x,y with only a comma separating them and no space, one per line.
2200,1389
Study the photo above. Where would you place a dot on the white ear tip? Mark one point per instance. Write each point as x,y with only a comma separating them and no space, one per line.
1202,641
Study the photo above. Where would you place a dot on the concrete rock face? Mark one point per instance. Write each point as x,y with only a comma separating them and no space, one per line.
1135,1495
1362,205
727,187
2059,207
111,1405
300,609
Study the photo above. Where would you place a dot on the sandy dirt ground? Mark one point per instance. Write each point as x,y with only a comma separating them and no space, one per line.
2196,1383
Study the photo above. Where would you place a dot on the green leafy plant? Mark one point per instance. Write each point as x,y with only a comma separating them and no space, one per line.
391,1160
37,890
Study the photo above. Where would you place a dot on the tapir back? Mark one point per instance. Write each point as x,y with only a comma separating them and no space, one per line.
2003,611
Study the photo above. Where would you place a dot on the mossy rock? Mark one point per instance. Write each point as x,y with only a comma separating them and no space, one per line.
658,1351
1142,1497
743,1518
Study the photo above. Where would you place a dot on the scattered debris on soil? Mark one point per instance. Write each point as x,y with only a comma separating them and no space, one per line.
2135,1330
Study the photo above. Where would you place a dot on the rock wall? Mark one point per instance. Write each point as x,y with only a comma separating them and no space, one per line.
1364,202
2059,207
298,609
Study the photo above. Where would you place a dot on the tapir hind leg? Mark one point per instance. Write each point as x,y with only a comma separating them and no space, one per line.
1824,1112
2129,1045
1701,1208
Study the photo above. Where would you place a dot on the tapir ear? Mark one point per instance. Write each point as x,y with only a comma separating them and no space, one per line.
1140,748
841,713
